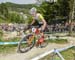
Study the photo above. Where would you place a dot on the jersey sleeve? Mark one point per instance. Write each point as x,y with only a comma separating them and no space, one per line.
41,17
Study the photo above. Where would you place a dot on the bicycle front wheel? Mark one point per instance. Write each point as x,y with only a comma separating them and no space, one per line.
23,45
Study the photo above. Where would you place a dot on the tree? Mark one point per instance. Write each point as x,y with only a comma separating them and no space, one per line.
71,19
15,18
64,8
4,10
53,11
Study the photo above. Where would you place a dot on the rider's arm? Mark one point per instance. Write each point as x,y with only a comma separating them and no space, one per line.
33,21
44,22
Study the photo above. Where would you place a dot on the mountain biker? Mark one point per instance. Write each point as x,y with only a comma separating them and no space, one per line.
38,19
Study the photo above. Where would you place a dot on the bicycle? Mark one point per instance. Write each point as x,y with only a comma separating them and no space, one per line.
32,39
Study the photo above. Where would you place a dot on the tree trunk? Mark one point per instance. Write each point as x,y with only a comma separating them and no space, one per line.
71,17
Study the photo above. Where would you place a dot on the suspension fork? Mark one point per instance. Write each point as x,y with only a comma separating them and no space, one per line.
30,39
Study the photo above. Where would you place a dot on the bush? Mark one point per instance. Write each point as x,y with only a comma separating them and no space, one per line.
1,33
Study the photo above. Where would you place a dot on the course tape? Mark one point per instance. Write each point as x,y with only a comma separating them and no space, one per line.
7,43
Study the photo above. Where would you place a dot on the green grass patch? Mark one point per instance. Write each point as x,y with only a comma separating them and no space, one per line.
10,40
58,41
67,54
5,49
51,57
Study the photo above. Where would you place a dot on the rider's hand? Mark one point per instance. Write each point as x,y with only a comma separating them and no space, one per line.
40,29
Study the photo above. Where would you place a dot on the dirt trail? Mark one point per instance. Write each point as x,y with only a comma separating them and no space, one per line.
36,51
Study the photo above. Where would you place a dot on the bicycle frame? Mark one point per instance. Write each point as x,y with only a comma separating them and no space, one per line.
34,36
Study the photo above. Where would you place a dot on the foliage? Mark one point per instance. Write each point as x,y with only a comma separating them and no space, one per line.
11,40
64,8
58,41
4,11
16,18
6,49
10,12
29,19
1,33
53,11
19,7
50,11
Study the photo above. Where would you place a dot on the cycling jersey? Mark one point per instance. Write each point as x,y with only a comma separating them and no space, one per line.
38,18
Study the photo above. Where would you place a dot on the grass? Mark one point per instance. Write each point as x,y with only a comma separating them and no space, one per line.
50,57
5,49
67,54
58,41
3,20
10,40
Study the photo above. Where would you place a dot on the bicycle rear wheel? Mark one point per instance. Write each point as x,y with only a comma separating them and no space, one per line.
23,45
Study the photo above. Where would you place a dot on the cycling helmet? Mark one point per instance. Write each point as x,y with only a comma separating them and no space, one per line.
33,10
